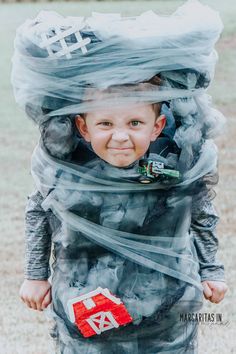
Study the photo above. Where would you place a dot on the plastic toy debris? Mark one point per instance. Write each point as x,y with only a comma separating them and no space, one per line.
59,36
152,170
98,311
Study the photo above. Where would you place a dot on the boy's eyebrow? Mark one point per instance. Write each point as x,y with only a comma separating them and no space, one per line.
109,118
103,118
137,116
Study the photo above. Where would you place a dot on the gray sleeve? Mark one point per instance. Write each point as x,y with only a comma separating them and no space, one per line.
37,239
203,228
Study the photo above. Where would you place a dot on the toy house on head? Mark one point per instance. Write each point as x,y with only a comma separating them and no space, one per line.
97,311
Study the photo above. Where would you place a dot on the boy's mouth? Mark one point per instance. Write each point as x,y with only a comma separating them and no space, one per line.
120,149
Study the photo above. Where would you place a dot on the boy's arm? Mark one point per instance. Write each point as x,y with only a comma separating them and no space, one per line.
35,291
38,240
203,228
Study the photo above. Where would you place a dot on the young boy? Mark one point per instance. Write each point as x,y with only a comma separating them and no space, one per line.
120,137
128,257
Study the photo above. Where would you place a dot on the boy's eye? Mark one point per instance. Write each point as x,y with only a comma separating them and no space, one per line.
106,124
135,123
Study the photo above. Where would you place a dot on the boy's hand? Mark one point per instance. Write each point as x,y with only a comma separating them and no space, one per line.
214,291
36,294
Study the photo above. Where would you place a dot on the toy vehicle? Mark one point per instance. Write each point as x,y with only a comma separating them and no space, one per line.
152,171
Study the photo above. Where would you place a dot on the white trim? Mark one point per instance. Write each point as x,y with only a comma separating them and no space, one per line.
83,297
60,36
89,303
99,328
68,49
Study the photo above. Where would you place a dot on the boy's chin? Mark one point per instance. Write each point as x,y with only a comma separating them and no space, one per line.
120,162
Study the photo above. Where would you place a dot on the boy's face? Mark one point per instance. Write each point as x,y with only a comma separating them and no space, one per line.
121,136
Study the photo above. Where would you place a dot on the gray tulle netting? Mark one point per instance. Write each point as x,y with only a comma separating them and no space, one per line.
109,230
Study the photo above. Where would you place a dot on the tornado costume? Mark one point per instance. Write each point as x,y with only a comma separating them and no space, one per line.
128,257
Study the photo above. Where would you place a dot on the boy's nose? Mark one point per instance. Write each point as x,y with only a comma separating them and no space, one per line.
120,135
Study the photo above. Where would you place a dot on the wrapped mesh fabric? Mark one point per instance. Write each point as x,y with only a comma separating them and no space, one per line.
121,51
114,232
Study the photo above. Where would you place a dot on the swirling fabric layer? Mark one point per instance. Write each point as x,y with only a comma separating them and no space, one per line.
120,51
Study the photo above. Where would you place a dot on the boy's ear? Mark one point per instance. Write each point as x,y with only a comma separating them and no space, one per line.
158,127
82,127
